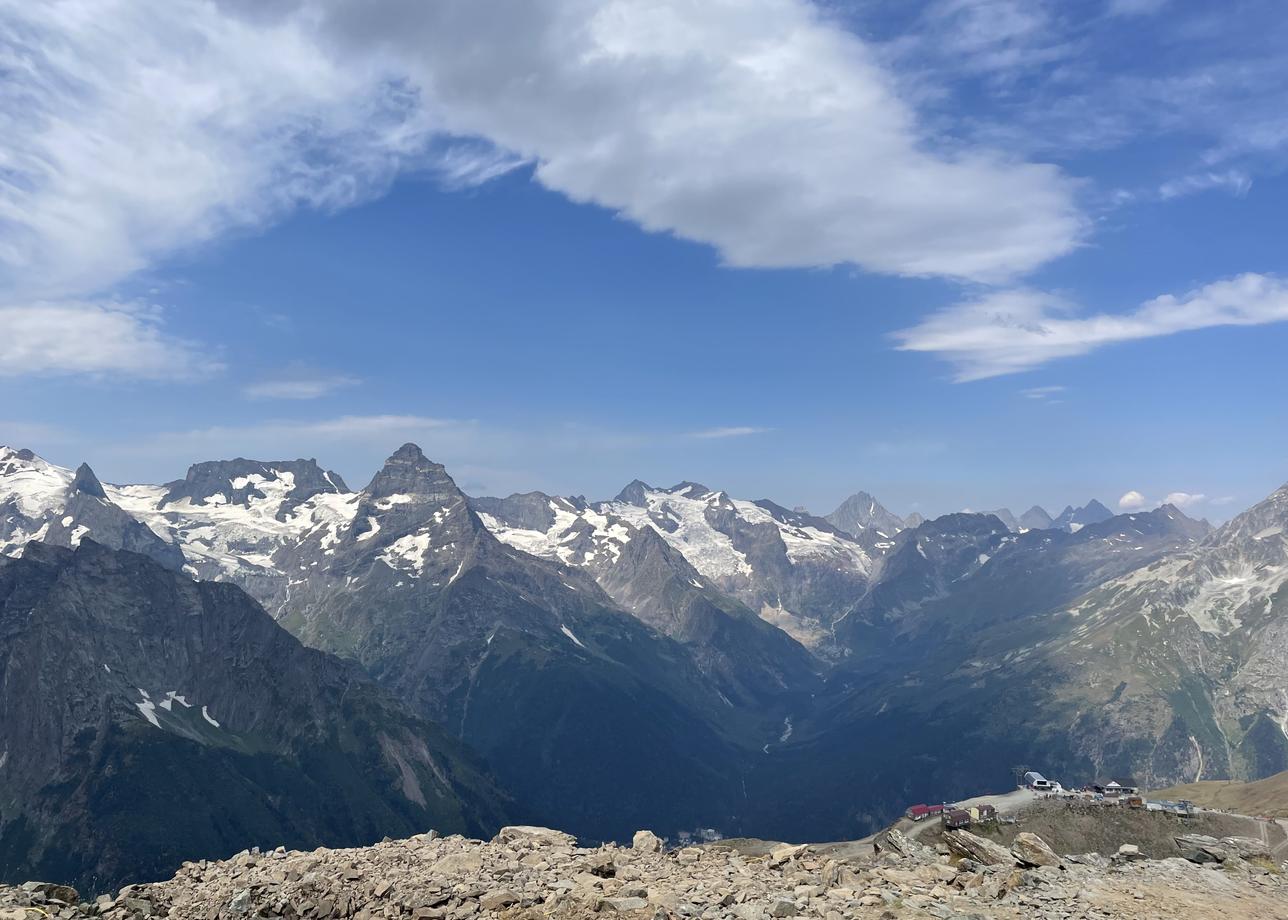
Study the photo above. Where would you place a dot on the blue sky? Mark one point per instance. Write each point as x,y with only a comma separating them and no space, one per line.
965,253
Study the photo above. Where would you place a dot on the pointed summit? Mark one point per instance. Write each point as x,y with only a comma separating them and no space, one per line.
409,472
1036,518
860,512
86,483
633,493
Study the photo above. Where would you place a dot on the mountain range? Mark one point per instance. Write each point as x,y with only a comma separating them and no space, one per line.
676,657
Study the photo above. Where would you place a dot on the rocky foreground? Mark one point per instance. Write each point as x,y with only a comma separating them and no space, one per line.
527,872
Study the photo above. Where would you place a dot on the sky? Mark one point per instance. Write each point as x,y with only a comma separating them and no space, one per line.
957,253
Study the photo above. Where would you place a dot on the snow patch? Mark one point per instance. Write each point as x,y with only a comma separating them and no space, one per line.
568,632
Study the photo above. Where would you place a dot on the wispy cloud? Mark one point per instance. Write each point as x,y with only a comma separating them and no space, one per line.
737,431
1043,393
1134,7
33,435
1235,181
300,384
1006,332
96,337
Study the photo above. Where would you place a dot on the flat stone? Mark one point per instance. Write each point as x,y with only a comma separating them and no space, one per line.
495,900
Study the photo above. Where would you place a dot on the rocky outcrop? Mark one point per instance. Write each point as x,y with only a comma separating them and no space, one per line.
1202,848
970,846
537,873
1031,850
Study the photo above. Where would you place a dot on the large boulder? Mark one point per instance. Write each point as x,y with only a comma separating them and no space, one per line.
1031,850
985,852
899,843
1200,848
646,842
529,836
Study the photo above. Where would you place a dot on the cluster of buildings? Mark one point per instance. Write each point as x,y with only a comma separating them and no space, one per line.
1107,793
1100,793
953,816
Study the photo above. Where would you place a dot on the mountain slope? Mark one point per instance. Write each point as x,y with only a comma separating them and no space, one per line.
146,719
752,662
569,698
1198,644
794,570
1036,518
40,501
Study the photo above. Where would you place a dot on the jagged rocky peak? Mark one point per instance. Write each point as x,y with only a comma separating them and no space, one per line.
635,493
408,472
862,512
689,489
1006,517
1036,518
524,510
241,481
86,483
1071,518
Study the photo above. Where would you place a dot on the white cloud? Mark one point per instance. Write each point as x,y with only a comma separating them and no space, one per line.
136,128
95,337
1135,501
1184,500
1132,501
729,432
998,38
1043,393
300,385
1235,181
761,127
1005,332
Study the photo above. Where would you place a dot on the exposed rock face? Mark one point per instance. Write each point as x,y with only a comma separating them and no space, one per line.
1036,518
1031,850
537,874
1202,848
797,570
1073,519
751,661
861,513
240,481
145,717
567,696
984,852
40,501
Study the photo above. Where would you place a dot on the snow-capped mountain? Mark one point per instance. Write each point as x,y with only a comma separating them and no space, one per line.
526,659
795,570
660,638
46,503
